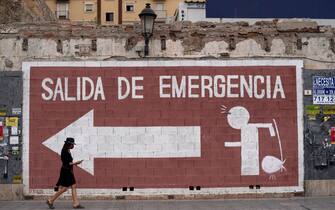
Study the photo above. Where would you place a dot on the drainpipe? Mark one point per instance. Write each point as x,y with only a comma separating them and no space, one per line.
99,12
120,12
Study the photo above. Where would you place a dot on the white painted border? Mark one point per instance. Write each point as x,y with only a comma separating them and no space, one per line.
300,120
25,126
159,191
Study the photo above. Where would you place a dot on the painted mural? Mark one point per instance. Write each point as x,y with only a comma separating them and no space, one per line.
166,126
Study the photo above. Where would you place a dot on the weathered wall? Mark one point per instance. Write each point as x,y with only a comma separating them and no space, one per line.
315,44
73,42
39,10
12,11
319,119
319,148
10,108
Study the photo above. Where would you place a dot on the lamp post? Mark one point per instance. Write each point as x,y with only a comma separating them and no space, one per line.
147,17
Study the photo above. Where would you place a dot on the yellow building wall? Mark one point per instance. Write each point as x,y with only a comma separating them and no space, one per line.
77,10
169,5
32,6
109,6
52,5
77,13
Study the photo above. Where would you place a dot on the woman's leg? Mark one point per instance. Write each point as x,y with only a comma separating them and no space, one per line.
74,195
57,194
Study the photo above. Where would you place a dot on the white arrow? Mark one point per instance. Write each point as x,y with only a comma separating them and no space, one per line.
126,142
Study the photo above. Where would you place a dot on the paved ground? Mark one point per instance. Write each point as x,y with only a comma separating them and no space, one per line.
322,203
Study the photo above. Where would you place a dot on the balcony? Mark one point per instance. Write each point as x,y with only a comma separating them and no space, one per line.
62,14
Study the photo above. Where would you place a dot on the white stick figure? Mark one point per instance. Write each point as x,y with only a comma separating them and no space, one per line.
238,118
271,164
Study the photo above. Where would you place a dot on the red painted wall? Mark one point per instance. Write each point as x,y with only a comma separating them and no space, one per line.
218,166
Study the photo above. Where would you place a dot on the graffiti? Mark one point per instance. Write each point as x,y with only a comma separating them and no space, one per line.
271,164
318,140
319,119
9,147
160,124
5,175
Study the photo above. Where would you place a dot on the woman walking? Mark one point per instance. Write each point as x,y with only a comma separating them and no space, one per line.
66,177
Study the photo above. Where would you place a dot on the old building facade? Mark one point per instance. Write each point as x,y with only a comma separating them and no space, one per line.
111,12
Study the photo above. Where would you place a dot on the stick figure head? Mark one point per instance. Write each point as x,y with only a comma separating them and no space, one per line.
238,117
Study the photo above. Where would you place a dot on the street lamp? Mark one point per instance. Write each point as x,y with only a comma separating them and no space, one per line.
147,17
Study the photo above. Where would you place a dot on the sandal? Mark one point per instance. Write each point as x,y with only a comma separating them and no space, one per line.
78,207
51,206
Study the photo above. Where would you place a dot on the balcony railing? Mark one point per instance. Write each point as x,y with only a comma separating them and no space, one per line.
62,14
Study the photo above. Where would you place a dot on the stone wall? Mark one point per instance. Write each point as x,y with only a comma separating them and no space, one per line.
12,11
289,39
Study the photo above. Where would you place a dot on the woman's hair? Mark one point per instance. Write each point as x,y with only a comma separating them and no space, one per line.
67,146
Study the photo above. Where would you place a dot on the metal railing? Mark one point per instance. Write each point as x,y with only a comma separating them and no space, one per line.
62,14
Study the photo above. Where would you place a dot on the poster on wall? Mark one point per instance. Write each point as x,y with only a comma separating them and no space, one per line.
332,135
323,90
1,132
2,112
12,121
163,126
14,140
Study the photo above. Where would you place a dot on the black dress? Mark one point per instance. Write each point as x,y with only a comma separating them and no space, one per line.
66,177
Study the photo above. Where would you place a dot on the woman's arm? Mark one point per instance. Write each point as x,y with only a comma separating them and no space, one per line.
76,163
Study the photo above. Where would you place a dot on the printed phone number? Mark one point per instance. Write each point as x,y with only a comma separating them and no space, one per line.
324,99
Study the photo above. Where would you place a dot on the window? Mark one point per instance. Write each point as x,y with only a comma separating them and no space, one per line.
62,11
89,7
160,10
129,7
160,6
109,16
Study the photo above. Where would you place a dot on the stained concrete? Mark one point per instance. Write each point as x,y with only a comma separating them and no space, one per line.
11,192
324,203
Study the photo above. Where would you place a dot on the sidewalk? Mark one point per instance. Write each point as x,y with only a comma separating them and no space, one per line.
303,203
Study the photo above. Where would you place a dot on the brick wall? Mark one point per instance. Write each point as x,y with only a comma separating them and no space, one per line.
156,141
